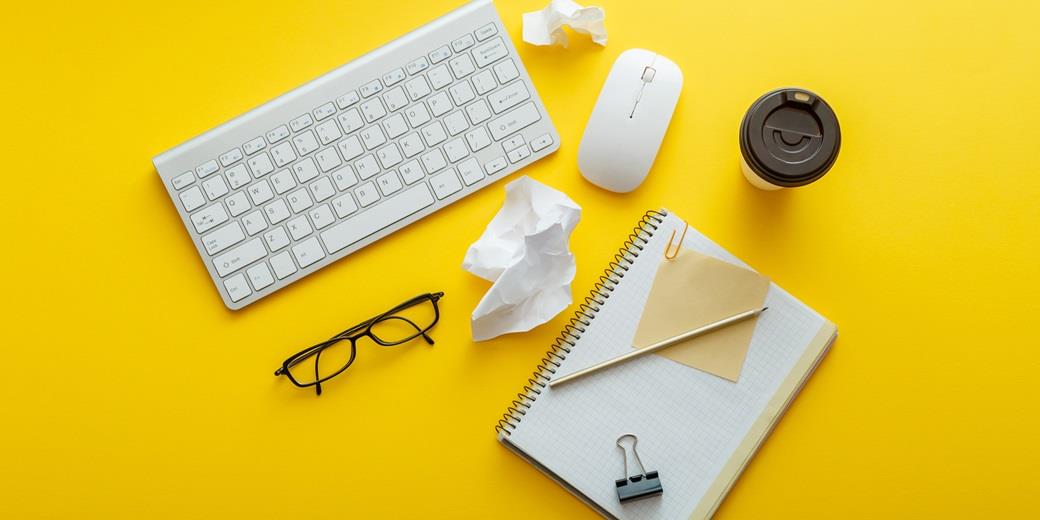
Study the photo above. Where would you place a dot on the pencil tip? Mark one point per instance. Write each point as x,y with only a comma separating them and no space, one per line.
764,309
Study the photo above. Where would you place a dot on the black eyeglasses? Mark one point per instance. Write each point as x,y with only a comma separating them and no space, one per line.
401,324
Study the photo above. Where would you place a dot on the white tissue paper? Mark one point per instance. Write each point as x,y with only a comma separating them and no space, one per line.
545,27
524,251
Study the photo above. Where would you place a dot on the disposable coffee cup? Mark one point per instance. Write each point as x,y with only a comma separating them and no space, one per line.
790,137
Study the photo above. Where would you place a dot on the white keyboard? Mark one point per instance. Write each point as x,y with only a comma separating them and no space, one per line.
348,158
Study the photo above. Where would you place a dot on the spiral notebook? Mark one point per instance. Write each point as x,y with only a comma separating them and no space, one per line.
697,430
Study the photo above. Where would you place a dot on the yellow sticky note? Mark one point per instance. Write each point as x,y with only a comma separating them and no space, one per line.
693,290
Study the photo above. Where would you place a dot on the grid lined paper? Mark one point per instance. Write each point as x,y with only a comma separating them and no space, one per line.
688,422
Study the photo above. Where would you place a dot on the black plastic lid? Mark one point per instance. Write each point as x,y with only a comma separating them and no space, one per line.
790,137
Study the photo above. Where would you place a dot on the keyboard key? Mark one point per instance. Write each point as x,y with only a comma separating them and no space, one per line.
237,176
344,178
519,154
513,143
395,99
440,54
495,165
389,156
207,168
388,183
411,144
305,142
433,161
209,218
455,150
445,184
322,189
506,71
351,148
373,87
183,180
278,134
490,52
230,157
351,120
393,77
260,276
277,211
417,88
508,97
321,216
239,257
254,222
366,167
461,93
379,217
260,192
411,172
305,170
461,66
372,136
470,171
325,111
395,126
344,205
328,132
260,165
283,154
366,194
299,200
308,252
301,122
478,138
373,109
487,31
237,204
223,238
440,104
484,82
283,181
463,43
283,265
277,238
215,187
478,112
440,77
347,99
434,133
456,123
518,119
541,142
254,146
417,65
237,288
299,227
417,115
328,160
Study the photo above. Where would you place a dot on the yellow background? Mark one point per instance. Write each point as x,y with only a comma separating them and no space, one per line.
129,391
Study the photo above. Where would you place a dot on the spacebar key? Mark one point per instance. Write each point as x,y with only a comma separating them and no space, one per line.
376,218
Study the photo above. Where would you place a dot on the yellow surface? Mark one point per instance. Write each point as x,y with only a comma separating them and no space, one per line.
130,392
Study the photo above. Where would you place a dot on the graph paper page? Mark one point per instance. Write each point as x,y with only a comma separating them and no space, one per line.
688,422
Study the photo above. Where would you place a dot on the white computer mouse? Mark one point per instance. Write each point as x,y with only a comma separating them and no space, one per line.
629,120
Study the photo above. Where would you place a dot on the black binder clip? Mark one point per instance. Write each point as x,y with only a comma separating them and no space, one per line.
642,485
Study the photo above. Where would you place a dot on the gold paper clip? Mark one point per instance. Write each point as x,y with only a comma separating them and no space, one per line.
678,247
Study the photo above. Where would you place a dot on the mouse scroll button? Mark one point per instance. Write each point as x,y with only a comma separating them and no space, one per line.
648,74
